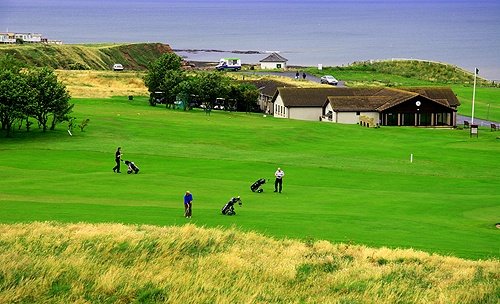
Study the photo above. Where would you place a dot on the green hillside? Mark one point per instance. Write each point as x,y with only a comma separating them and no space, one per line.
402,73
87,56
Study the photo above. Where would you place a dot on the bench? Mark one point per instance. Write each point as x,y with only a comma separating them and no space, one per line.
493,127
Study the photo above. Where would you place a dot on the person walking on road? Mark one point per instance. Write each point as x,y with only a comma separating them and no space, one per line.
278,183
118,159
297,75
188,204
303,75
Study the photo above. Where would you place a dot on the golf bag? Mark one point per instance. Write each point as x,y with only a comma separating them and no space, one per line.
228,208
255,187
131,167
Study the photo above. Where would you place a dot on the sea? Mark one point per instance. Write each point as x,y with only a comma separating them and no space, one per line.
307,32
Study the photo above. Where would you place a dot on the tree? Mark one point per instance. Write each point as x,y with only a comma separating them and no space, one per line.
157,70
249,97
211,86
246,96
169,85
50,97
15,95
61,113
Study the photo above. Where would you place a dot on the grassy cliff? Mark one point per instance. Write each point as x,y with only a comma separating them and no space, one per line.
87,56
114,263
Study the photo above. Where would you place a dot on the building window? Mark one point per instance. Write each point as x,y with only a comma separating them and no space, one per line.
357,113
441,119
278,65
425,119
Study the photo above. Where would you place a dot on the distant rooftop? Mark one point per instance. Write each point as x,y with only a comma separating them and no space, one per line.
274,57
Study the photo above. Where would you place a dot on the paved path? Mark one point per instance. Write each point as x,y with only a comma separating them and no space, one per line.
291,74
477,121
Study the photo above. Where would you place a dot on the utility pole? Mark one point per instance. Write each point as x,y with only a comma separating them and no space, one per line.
474,94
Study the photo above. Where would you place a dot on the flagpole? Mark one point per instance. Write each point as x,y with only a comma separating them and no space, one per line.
474,94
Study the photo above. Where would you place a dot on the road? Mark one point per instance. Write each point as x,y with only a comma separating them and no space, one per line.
291,74
477,121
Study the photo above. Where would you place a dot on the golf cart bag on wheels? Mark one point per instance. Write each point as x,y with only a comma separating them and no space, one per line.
228,208
255,187
131,167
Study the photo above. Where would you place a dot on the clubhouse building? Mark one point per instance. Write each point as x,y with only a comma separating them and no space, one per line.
369,107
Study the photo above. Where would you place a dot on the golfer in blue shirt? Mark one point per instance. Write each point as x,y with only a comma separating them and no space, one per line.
188,204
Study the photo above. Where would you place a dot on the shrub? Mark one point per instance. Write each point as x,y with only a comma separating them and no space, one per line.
84,124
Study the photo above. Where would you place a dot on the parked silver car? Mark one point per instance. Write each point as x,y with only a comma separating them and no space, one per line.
117,67
329,79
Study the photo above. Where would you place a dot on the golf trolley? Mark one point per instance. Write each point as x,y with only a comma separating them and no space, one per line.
256,187
131,167
228,208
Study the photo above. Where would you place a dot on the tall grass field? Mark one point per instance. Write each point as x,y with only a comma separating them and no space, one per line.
113,263
343,183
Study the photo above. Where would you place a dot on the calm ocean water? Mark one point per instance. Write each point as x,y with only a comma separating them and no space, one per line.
464,33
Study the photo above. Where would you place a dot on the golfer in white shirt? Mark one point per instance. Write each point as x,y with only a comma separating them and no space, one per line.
278,183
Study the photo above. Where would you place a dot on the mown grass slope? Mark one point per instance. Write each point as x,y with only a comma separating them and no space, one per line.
343,183
403,73
135,56
112,263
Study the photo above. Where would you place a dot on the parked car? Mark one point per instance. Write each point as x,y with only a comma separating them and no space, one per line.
117,67
329,79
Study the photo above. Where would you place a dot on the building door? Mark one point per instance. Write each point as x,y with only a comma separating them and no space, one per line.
392,119
424,119
408,119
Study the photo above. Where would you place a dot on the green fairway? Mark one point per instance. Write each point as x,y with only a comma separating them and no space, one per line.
343,183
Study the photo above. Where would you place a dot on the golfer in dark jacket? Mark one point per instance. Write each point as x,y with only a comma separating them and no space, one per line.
118,158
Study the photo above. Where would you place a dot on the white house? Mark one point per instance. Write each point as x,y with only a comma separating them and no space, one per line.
26,38
300,103
29,37
273,61
7,38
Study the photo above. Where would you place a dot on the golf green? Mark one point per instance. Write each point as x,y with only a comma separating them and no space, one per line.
343,183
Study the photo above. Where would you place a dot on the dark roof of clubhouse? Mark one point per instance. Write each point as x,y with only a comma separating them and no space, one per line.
363,99
267,86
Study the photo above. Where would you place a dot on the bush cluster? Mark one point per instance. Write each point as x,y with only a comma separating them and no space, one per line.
168,83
